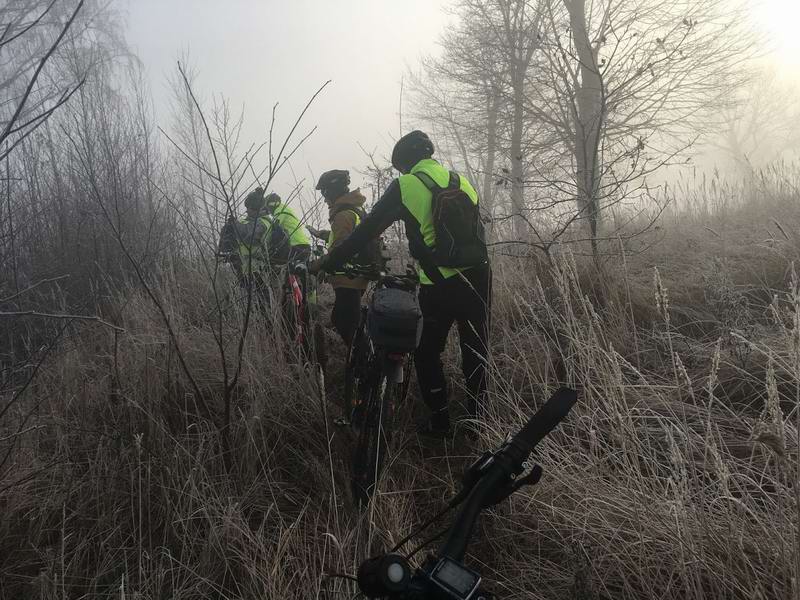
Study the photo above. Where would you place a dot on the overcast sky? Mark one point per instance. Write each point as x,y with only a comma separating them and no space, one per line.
258,52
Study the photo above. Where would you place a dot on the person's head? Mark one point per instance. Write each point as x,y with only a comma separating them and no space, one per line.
333,184
254,201
410,149
271,201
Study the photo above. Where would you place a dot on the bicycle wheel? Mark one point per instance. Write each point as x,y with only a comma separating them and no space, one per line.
374,435
318,351
403,388
355,367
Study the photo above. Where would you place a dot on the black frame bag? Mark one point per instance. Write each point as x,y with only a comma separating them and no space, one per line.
394,320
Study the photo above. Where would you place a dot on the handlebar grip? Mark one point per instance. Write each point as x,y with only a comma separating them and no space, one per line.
544,421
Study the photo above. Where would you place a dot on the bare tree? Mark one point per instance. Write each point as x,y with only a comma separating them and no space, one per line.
31,33
472,95
629,85
761,127
216,174
590,98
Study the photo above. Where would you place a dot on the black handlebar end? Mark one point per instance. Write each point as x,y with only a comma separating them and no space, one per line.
545,420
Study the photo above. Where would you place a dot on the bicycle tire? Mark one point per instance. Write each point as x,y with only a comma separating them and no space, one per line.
356,360
320,353
408,371
290,317
374,437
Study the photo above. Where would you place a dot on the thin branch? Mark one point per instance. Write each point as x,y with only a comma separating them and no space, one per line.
35,313
35,77
32,287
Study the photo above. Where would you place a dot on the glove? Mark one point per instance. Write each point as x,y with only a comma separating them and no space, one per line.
320,234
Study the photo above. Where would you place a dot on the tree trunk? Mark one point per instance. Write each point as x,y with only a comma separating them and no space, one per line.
14,273
517,174
487,197
588,120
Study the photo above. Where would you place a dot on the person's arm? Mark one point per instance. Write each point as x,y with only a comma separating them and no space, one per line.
320,234
344,222
386,211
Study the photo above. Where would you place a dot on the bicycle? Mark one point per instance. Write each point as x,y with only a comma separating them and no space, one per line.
378,368
304,330
305,333
492,478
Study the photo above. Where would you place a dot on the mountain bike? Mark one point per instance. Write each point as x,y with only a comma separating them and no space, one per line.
304,331
378,369
489,480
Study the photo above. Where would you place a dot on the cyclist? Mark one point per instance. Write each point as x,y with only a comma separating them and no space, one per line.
249,237
345,212
289,239
447,295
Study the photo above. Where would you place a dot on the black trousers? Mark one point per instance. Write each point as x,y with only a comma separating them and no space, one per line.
466,300
346,312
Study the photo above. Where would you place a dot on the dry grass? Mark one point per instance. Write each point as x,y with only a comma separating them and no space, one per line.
675,477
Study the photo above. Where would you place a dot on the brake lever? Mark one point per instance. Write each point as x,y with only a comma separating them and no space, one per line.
531,478
514,485
473,474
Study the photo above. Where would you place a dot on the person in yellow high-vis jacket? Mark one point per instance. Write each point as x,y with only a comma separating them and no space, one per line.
249,236
296,244
448,294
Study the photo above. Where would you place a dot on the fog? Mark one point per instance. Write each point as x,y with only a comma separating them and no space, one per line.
257,53
190,407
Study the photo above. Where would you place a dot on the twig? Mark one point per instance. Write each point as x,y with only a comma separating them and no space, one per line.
32,287
38,71
35,313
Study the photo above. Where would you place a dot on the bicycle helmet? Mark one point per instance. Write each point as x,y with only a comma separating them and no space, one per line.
272,200
410,149
255,199
334,183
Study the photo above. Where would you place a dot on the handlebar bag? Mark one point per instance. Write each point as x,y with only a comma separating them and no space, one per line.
394,320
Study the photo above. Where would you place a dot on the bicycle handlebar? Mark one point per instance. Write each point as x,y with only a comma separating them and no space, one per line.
383,277
490,479
497,473
542,423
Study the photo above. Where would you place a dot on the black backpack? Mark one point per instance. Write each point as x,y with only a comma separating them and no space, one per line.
228,241
371,255
250,233
460,236
278,244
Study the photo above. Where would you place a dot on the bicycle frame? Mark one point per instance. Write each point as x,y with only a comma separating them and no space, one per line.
393,363
375,377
